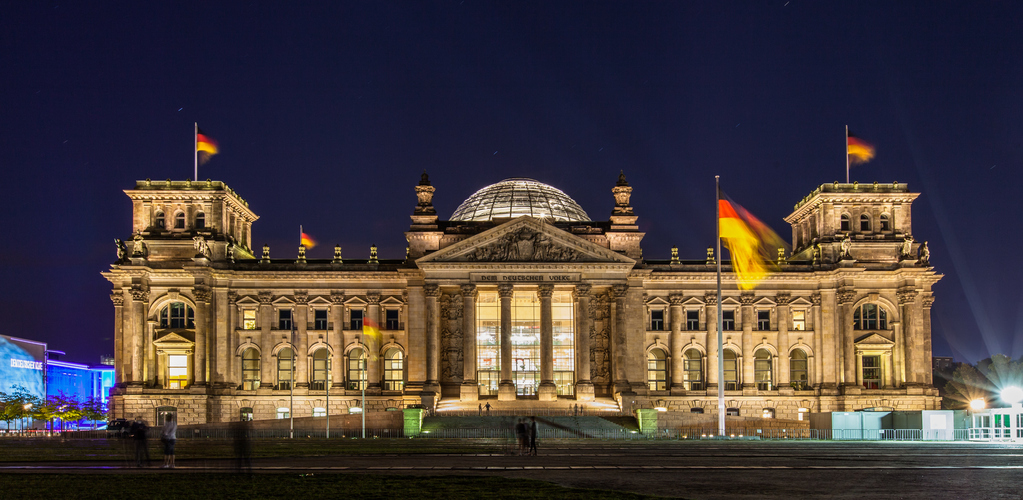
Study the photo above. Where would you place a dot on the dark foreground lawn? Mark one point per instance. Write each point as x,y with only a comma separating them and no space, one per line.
138,486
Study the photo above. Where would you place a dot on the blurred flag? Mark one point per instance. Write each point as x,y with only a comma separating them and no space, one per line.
205,146
752,245
307,241
370,328
859,151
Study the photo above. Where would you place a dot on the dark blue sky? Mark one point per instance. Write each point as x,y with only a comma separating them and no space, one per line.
326,115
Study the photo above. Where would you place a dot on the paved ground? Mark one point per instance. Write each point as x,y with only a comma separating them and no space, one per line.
688,469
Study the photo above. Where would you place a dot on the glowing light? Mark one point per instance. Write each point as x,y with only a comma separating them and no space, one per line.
978,404
355,409
1012,395
661,408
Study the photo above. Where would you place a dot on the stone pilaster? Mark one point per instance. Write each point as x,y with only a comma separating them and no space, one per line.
267,372
547,391
506,389
847,335
583,386
373,345
710,301
817,377
469,390
301,320
620,342
746,300
139,305
199,362
783,299
432,292
675,341
335,338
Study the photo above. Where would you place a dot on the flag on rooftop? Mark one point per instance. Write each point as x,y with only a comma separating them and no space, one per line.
859,151
205,146
752,244
306,240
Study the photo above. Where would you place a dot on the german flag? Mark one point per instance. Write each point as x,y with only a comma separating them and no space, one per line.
859,151
752,244
205,146
307,241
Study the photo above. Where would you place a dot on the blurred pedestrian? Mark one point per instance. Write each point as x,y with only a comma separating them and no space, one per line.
488,409
138,434
481,409
532,436
168,436
520,436
242,446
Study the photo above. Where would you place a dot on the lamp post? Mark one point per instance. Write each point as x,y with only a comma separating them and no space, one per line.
291,385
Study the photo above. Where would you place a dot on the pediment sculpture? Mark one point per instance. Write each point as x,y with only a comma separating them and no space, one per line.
524,245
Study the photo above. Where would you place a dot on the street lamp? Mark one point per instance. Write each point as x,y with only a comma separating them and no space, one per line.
978,404
1012,395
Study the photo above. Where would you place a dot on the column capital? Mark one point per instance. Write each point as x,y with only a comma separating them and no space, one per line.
117,299
783,298
138,294
505,290
906,295
373,298
675,299
816,299
431,290
619,290
711,299
265,297
337,296
202,293
582,290
468,290
747,298
232,297
927,300
545,291
301,297
846,297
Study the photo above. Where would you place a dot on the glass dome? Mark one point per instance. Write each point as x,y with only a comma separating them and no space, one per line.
512,198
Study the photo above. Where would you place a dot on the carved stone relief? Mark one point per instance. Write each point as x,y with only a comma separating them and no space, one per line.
451,338
524,245
600,339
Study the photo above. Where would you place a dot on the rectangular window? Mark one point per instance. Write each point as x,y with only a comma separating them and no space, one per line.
488,343
177,371
356,319
728,320
763,320
871,372
799,320
284,319
693,320
657,320
249,319
731,374
319,319
392,319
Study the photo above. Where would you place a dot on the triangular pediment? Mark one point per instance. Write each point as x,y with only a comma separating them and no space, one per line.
173,339
525,239
874,339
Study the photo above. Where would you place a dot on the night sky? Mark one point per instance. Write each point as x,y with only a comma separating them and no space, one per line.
327,115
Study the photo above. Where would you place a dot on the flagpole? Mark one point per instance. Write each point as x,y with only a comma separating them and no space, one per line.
195,151
721,343
291,402
847,154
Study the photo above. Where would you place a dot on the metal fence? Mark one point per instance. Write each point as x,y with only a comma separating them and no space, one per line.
154,433
538,412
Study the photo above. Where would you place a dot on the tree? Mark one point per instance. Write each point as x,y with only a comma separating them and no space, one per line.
69,408
967,383
17,404
94,409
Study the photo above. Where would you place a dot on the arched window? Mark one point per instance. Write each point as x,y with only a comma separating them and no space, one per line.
179,220
657,370
285,374
177,315
321,370
250,369
246,414
864,222
693,370
200,220
731,380
394,370
762,370
159,221
886,225
356,369
846,224
870,317
798,376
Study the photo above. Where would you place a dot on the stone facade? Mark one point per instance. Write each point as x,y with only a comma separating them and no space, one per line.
523,307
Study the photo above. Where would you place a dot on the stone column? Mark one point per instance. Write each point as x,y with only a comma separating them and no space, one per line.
816,320
373,344
301,319
432,292
850,361
677,359
710,313
620,343
267,374
506,389
583,385
889,371
783,319
139,304
912,314
748,318
335,339
858,368
830,362
469,390
202,304
118,299
926,301
548,390
227,339
149,374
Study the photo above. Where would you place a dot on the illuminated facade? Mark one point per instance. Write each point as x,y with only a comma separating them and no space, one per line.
518,296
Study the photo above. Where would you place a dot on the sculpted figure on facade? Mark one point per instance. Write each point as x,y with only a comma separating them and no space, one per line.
907,247
925,254
122,250
524,245
845,247
139,247
202,248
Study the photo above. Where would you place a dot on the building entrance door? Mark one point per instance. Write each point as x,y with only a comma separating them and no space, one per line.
526,383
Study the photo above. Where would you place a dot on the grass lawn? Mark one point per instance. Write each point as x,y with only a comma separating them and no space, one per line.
228,486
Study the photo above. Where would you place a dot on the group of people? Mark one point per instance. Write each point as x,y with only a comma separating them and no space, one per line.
525,436
138,432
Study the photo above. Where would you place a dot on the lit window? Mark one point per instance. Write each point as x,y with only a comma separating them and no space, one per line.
732,412
768,413
763,320
321,370
870,317
179,220
391,319
885,223
284,319
864,222
657,370
356,369
250,369
871,372
319,412
728,320
797,370
801,413
356,323
177,315
846,224
246,414
693,320
693,370
283,413
319,319
249,319
731,371
762,370
657,320
799,320
696,409
177,371
394,370
285,361
200,220
159,220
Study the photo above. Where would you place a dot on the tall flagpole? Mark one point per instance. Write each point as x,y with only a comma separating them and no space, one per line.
195,151
721,342
291,402
847,154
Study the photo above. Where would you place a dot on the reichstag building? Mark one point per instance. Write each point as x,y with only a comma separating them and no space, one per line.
519,295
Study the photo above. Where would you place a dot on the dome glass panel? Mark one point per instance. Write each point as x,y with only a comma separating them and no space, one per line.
512,198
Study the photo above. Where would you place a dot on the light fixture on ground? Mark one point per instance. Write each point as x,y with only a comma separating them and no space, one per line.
978,404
